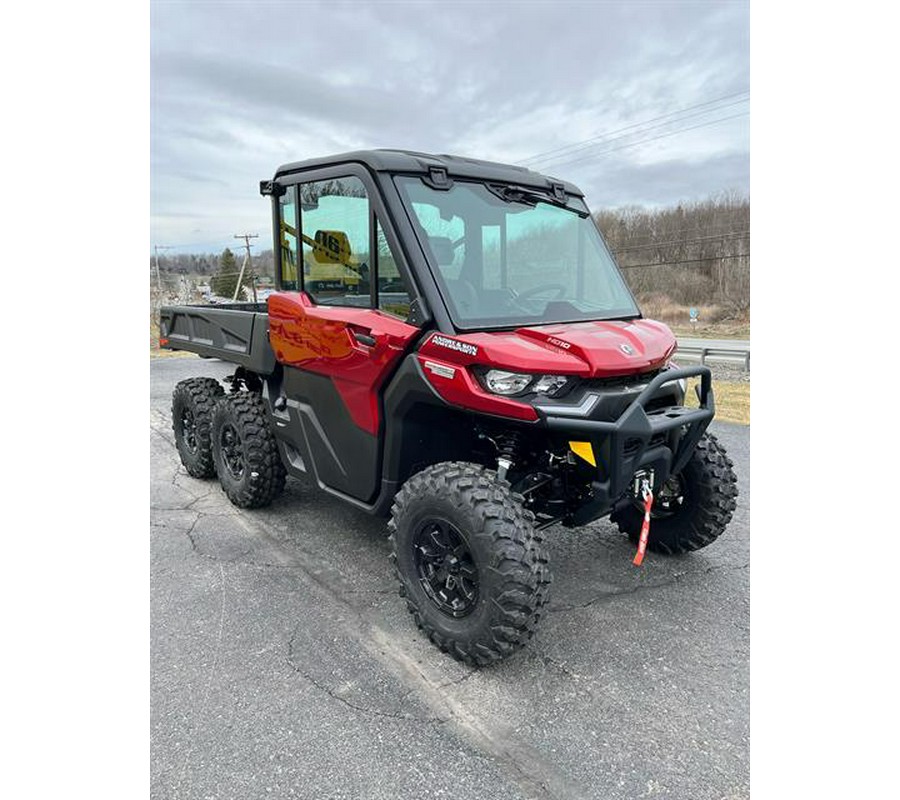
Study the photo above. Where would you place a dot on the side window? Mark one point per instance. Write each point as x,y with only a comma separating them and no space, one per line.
334,229
394,296
287,207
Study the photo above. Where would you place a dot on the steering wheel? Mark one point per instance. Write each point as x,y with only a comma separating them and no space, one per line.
559,288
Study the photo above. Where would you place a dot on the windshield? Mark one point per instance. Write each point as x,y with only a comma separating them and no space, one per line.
503,262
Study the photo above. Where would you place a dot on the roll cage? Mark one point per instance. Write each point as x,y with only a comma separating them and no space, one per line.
376,170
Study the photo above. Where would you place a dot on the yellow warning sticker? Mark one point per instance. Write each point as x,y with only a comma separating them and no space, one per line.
585,451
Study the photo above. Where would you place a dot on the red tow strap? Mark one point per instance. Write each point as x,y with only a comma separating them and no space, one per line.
645,527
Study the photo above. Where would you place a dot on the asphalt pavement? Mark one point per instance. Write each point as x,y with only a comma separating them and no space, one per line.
284,664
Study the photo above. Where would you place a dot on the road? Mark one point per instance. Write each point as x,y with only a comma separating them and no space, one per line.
283,663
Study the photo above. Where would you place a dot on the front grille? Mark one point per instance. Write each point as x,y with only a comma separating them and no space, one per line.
621,382
633,445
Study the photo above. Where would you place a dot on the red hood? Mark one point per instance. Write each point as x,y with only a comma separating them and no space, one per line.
588,349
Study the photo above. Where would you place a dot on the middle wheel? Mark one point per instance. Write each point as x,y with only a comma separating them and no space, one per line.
469,561
246,456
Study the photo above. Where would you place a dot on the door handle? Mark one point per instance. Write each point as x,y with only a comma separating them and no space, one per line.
364,338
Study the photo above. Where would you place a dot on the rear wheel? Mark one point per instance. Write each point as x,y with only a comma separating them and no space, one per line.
245,453
691,509
469,561
193,401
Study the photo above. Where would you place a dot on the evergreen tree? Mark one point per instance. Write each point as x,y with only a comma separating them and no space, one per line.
225,280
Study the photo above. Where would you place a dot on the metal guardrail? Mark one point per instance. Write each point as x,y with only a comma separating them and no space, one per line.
732,351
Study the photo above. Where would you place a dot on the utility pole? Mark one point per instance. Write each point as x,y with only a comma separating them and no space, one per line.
183,288
246,237
156,249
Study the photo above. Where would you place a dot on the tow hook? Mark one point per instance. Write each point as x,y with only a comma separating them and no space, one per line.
640,478
644,483
503,466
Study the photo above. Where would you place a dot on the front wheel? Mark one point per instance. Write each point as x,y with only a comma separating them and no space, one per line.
470,563
691,509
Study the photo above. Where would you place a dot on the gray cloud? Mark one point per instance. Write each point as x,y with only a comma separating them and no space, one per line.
239,88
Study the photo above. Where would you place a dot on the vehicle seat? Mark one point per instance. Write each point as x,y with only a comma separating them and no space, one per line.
464,297
462,294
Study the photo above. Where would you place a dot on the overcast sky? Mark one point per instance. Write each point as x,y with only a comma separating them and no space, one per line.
239,88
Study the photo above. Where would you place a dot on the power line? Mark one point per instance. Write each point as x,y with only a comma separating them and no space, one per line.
682,261
649,236
592,156
197,244
227,274
698,228
642,128
539,156
718,236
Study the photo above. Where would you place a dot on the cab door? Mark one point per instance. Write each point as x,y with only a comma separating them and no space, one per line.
340,336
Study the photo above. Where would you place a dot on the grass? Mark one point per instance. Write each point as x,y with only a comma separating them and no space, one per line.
732,400
714,322
717,330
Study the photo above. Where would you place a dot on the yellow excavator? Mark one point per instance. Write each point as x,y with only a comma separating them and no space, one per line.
328,264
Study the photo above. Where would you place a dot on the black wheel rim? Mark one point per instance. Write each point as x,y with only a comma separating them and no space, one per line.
189,429
232,451
446,568
670,499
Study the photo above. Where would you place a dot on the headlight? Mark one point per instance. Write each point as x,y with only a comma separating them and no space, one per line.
500,382
549,384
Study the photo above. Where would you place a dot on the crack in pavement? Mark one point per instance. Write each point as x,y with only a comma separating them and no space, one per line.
549,661
678,577
458,681
332,693
237,560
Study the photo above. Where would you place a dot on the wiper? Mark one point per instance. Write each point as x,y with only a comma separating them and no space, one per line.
521,194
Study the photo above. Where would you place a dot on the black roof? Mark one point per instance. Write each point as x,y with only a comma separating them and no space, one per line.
411,162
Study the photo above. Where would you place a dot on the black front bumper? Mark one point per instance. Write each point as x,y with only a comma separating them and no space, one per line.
661,439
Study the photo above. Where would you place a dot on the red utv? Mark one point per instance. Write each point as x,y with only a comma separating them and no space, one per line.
452,345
